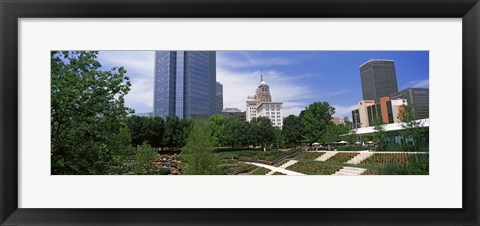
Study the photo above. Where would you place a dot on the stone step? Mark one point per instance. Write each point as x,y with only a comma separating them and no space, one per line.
359,158
346,174
350,171
287,164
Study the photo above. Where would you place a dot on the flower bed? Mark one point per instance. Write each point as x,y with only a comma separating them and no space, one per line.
399,163
314,168
341,157
384,159
371,172
311,155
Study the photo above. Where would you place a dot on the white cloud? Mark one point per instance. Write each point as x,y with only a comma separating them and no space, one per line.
140,70
247,59
417,84
344,111
238,85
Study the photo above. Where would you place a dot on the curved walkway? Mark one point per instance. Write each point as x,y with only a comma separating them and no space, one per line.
276,169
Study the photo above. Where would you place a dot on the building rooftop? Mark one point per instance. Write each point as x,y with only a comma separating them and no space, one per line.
375,60
391,127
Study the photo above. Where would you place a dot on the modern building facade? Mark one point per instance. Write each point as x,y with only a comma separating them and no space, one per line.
388,110
419,97
261,105
219,97
391,109
378,79
363,113
185,84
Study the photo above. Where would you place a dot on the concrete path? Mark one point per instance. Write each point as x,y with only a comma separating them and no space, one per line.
360,157
287,164
276,169
326,156
350,171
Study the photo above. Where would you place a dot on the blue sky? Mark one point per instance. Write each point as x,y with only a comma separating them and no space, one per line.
297,78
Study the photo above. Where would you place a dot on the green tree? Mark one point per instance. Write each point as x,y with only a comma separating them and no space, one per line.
173,132
158,130
292,130
279,140
413,127
198,152
144,157
351,131
332,133
315,119
232,132
145,129
262,131
217,126
379,132
87,110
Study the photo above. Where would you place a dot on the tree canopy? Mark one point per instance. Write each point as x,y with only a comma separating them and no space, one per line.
87,109
315,119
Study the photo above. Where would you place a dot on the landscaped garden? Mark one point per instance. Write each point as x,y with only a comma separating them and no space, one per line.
311,155
341,157
398,163
314,168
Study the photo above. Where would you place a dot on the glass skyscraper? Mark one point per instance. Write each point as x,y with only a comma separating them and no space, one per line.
419,97
219,96
185,84
378,79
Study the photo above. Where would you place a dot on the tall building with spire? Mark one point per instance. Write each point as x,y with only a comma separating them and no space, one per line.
261,104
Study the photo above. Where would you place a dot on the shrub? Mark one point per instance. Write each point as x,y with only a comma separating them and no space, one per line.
144,157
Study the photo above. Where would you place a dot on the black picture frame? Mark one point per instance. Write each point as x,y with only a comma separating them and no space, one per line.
12,10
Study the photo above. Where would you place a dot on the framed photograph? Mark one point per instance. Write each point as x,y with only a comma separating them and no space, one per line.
226,112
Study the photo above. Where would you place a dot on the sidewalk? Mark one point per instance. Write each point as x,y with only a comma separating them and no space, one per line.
276,169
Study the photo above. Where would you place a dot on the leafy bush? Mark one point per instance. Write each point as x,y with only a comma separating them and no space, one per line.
164,171
417,164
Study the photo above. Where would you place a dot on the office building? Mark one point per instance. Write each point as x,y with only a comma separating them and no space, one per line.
419,97
185,84
378,79
219,97
261,104
356,118
391,109
388,110
337,120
